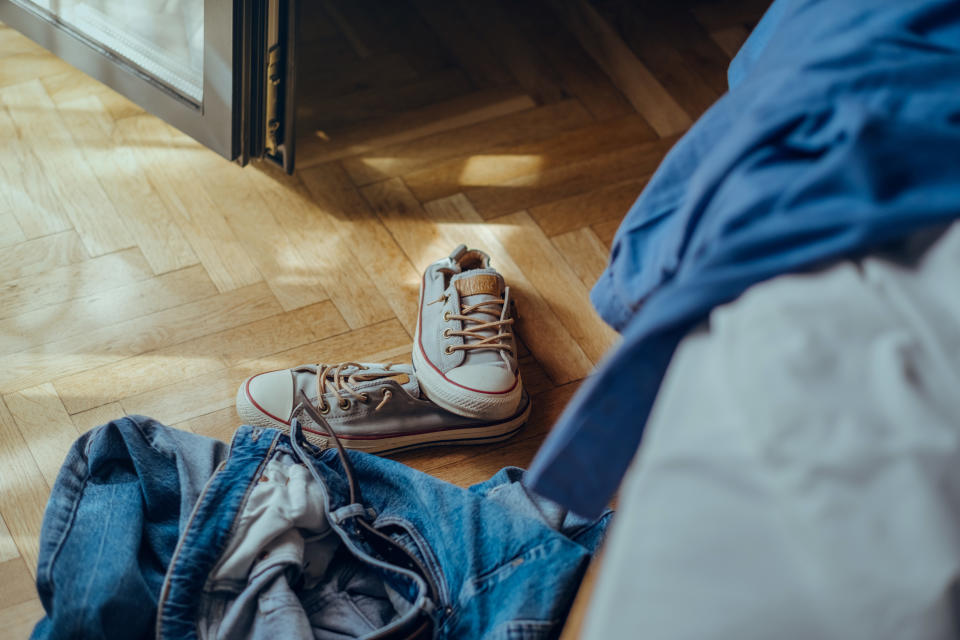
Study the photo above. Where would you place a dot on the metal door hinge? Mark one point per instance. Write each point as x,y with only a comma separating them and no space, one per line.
267,80
274,100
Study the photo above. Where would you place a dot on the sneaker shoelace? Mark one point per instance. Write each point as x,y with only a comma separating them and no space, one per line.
472,326
332,377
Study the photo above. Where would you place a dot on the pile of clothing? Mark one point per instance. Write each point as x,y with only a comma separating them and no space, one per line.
293,533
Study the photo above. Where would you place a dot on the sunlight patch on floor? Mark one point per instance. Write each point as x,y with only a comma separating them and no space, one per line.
489,169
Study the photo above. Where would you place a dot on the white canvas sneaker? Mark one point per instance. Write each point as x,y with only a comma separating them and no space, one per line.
372,407
464,351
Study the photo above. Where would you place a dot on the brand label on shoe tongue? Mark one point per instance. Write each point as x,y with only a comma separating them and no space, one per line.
480,284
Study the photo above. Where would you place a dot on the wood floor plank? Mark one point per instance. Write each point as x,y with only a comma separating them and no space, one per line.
670,43
556,281
535,378
528,159
538,78
549,185
19,620
409,224
324,249
27,192
58,322
121,340
382,71
12,43
609,202
606,231
70,85
21,68
168,165
45,426
86,420
398,353
538,326
34,257
10,231
320,38
212,352
220,424
529,126
719,14
375,251
92,276
584,252
413,124
406,32
730,39
114,381
701,54
40,126
366,104
16,583
362,34
249,216
636,82
8,550
579,74
24,493
215,391
464,42
126,184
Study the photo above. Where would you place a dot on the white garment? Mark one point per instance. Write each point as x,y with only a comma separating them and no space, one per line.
800,473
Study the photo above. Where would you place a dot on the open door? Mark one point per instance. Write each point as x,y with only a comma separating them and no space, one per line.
221,71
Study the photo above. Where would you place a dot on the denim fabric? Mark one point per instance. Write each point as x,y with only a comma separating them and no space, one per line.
118,506
839,136
272,548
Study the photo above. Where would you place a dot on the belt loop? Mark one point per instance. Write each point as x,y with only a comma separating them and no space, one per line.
348,511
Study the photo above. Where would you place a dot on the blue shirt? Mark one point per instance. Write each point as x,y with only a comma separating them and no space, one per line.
840,133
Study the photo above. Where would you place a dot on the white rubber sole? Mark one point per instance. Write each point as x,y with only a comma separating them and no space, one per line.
479,434
461,401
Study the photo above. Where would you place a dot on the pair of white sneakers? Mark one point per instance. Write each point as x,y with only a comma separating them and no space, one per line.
464,386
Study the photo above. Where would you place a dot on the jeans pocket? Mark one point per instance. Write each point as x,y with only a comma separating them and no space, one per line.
490,579
403,533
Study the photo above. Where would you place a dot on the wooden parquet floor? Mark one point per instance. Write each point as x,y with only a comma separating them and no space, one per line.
141,273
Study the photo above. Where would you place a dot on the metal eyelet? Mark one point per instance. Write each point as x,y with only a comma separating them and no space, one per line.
446,333
344,404
446,316
448,350
324,408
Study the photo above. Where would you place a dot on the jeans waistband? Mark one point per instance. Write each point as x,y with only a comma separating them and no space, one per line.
214,519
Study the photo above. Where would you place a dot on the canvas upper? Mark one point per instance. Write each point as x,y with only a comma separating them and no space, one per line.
465,351
370,406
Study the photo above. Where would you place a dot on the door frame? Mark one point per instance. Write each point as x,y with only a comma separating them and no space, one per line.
215,122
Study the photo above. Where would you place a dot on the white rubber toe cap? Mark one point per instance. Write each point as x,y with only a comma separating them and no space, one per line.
272,393
486,378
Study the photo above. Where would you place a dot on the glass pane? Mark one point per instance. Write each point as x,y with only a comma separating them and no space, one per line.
164,38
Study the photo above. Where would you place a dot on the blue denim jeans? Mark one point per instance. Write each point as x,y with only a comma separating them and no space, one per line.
154,532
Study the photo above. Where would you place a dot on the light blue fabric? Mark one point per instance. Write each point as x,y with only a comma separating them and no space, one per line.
841,134
141,519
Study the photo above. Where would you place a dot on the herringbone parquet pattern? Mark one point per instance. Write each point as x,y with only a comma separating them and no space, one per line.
141,273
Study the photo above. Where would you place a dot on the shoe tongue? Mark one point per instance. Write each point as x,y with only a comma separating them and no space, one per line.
476,286
401,373
485,284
